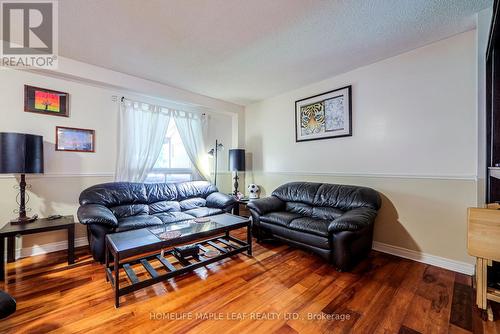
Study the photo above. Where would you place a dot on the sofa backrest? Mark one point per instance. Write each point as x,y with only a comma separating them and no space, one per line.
325,199
138,195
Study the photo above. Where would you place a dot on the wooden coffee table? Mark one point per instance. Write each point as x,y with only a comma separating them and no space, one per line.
138,253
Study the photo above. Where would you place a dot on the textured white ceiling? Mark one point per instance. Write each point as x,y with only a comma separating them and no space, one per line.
246,50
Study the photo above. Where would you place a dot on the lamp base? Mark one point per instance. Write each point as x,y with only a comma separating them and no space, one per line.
23,220
236,185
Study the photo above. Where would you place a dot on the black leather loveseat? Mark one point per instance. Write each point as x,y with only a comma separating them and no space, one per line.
121,206
334,221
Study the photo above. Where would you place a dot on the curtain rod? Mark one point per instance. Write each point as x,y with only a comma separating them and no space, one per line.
123,98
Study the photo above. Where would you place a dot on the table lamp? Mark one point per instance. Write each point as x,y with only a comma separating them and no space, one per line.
236,164
21,154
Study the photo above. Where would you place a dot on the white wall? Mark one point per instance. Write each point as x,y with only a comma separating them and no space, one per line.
68,173
90,107
414,139
412,115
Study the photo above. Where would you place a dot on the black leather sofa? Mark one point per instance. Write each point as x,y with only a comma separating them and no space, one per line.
334,221
121,206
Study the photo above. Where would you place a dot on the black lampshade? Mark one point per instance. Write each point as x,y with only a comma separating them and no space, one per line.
21,153
237,160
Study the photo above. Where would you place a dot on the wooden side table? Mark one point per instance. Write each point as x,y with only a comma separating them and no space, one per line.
483,235
9,231
240,208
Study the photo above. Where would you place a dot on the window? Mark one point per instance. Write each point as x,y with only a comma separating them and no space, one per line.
173,164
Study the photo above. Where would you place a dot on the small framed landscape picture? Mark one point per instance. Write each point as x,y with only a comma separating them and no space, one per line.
322,116
75,140
46,101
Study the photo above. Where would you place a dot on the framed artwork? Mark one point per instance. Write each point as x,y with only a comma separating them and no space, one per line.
74,139
46,101
322,116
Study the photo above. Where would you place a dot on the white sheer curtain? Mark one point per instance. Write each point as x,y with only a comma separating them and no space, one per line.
142,129
191,131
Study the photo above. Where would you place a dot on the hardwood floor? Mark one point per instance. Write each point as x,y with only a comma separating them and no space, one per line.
279,290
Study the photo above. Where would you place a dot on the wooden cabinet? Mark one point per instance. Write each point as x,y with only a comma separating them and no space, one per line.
492,127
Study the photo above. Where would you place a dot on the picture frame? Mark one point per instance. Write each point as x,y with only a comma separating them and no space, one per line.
324,116
75,139
46,101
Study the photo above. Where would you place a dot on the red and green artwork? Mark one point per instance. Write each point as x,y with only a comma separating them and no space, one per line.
47,101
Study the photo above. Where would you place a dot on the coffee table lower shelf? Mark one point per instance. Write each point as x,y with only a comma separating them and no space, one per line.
227,246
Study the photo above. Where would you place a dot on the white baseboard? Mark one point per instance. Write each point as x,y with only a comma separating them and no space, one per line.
453,265
48,248
458,266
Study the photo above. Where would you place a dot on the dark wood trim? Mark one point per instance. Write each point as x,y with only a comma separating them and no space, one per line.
2,252
493,29
492,86
488,129
71,244
78,129
11,248
349,88
36,111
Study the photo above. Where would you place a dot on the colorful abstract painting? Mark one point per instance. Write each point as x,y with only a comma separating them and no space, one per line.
46,101
326,115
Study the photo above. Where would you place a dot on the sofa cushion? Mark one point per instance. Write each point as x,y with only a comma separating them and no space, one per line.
135,222
192,203
164,206
122,211
192,189
300,208
345,197
298,236
297,192
114,194
172,217
324,212
310,225
279,218
203,212
156,192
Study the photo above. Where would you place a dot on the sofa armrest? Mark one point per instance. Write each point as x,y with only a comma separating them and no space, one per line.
96,214
265,205
7,304
220,200
353,220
